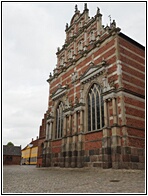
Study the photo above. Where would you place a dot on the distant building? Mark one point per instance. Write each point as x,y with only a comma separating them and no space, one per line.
96,108
42,134
11,155
29,153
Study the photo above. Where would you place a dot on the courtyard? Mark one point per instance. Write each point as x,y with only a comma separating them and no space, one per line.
29,179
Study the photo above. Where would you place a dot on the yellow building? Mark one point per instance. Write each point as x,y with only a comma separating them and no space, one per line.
29,153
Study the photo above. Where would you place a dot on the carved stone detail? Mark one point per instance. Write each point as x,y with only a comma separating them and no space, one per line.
74,77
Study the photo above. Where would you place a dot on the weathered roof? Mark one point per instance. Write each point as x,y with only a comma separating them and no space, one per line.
11,150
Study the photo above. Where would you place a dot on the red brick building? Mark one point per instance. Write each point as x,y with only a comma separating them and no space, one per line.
11,155
96,111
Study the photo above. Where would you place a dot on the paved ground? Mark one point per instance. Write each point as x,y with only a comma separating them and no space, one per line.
29,179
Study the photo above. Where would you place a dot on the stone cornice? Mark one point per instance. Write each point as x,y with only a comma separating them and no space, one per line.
114,92
60,92
92,72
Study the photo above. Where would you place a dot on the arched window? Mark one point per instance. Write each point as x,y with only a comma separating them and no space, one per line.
59,121
95,109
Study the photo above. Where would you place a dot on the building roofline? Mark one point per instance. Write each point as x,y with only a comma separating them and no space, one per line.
131,40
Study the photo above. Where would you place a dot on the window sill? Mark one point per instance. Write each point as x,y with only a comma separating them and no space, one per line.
98,130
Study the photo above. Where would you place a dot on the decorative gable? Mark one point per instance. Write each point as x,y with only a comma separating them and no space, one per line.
75,18
92,72
59,92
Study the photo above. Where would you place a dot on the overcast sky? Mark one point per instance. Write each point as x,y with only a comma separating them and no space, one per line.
31,33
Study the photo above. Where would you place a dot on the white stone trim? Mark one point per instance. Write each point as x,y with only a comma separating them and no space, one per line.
137,78
135,107
126,82
130,66
134,117
125,56
122,93
132,52
61,92
92,72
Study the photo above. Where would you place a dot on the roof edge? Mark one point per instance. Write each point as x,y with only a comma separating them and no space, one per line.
131,40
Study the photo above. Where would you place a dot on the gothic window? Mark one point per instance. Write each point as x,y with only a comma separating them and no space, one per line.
95,109
59,121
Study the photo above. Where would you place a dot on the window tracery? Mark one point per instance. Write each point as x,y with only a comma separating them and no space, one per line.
95,108
59,121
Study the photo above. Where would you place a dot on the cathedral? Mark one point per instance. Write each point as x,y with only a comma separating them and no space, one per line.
96,106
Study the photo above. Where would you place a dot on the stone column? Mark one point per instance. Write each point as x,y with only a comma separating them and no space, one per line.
106,113
74,152
80,152
106,140
114,110
75,122
50,130
47,130
63,146
68,152
81,121
63,152
115,139
70,127
64,127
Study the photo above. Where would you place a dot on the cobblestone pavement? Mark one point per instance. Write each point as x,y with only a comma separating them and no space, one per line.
29,179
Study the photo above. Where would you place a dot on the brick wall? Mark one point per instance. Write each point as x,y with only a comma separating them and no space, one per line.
11,160
118,143
133,66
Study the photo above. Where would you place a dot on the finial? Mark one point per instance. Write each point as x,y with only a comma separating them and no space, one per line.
76,8
66,25
109,18
85,6
113,24
98,10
